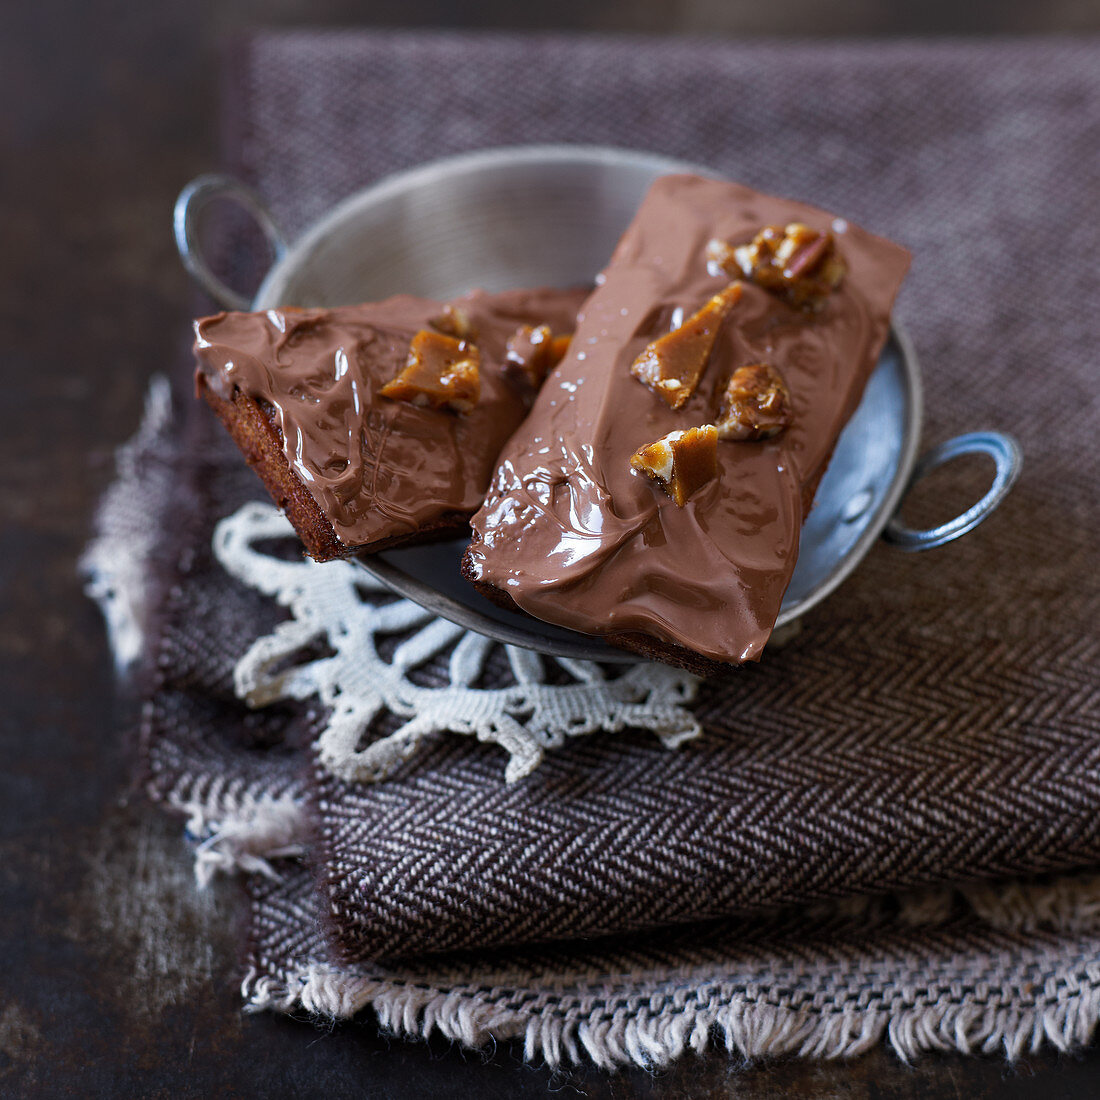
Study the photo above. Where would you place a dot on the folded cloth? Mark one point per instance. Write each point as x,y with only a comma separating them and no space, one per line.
934,718
937,719
1006,966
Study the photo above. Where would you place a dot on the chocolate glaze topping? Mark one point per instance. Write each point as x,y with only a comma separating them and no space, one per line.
377,468
577,537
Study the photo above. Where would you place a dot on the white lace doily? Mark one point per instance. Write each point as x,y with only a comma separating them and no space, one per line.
331,602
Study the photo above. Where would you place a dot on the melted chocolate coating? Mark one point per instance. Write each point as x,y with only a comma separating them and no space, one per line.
576,537
377,468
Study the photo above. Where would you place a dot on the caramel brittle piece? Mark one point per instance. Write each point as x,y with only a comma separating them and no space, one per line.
440,372
756,404
455,321
681,462
673,364
799,264
534,352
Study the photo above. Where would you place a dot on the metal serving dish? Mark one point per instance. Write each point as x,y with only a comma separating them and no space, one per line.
551,215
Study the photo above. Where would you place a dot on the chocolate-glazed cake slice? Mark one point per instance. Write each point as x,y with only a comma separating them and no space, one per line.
380,424
656,492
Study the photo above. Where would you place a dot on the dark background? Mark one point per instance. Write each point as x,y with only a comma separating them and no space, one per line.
116,977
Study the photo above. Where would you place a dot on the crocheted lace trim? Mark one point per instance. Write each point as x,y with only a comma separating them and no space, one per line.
340,604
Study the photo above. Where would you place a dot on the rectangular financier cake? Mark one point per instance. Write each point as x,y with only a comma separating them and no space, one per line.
380,424
656,492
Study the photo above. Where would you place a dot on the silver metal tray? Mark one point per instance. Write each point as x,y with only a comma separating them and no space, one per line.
551,215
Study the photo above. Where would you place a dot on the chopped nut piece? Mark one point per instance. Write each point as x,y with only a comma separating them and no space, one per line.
534,352
455,321
681,462
673,364
440,372
756,404
799,264
721,259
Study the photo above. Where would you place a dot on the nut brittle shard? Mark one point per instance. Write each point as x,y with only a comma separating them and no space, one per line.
673,364
803,266
681,462
755,405
533,352
440,372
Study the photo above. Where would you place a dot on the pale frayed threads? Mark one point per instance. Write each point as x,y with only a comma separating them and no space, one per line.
114,562
632,1036
561,1030
247,841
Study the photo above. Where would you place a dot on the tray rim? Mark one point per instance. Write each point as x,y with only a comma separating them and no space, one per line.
572,644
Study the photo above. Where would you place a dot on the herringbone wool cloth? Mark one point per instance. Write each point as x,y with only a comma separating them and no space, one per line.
937,719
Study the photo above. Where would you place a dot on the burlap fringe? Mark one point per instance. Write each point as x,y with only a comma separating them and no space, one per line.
741,1025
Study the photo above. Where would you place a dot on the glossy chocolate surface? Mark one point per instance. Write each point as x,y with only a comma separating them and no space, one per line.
378,468
577,537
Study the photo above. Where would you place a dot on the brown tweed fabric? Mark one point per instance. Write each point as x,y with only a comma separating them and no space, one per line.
1000,967
988,971
939,717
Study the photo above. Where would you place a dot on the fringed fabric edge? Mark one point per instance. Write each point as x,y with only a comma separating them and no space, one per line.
739,1025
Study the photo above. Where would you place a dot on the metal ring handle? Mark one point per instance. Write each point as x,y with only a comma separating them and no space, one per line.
192,199
1005,452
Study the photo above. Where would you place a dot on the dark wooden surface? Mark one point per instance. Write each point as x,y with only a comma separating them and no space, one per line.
116,977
